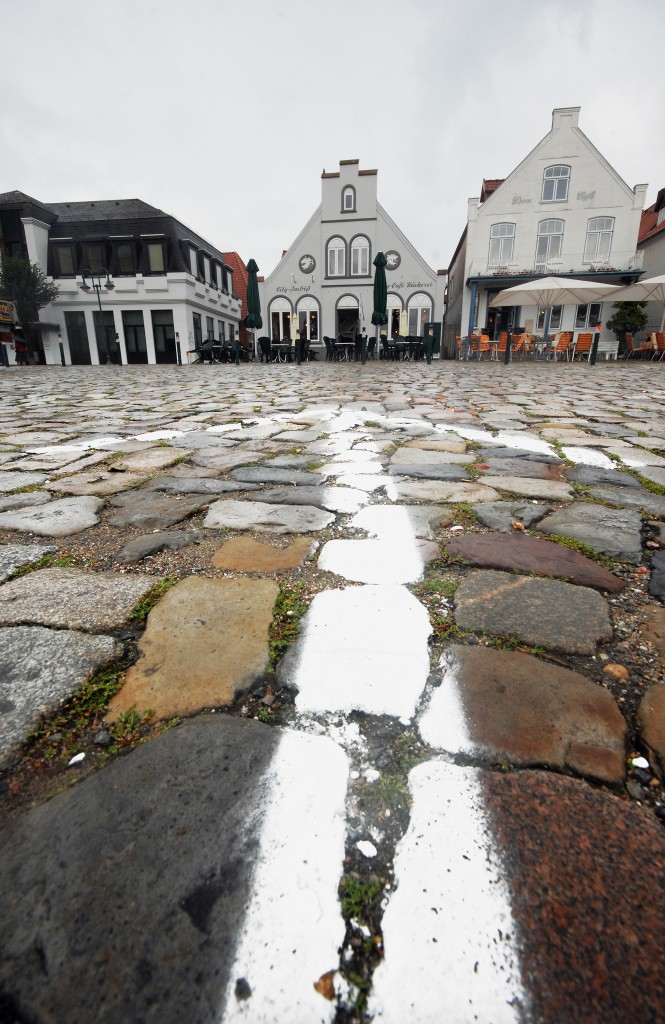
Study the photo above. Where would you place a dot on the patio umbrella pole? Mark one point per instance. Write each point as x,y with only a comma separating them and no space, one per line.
546,332
506,356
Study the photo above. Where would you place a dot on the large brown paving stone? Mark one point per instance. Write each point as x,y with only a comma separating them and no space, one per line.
205,642
651,722
586,873
244,554
72,599
504,707
529,554
544,613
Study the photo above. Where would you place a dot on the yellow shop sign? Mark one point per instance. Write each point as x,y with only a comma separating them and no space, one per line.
6,312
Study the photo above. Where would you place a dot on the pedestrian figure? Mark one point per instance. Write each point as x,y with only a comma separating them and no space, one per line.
21,352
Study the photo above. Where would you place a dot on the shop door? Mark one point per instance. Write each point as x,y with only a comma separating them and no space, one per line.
348,321
164,335
77,336
134,331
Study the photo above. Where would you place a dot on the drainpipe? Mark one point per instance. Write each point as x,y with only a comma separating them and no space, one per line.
472,312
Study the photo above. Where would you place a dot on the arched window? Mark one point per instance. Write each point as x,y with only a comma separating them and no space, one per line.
280,319
394,311
420,312
360,256
308,316
550,239
336,257
348,199
598,239
555,183
502,240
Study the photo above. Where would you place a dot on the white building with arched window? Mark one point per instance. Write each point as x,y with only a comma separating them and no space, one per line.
326,277
562,212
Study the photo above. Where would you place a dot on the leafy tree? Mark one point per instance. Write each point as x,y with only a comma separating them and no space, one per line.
629,318
24,283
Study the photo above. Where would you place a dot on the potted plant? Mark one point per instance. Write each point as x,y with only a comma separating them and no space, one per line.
628,319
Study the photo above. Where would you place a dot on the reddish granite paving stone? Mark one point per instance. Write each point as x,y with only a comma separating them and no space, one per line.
587,874
653,630
503,707
544,613
651,722
529,554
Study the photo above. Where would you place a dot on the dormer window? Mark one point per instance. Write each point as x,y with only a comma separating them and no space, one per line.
156,257
555,183
349,199
65,260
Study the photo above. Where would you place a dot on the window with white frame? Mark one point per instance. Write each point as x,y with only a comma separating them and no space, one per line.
280,320
336,257
555,183
588,315
550,239
502,242
555,318
598,239
349,199
308,317
360,256
419,312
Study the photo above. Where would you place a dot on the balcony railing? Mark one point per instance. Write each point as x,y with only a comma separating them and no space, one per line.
626,262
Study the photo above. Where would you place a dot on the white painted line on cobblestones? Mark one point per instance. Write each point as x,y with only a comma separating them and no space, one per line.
448,930
588,457
293,925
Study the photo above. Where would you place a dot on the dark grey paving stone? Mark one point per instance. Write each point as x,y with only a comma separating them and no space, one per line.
544,613
140,547
39,668
613,532
13,556
266,475
499,515
197,485
526,468
223,461
201,439
291,461
138,879
430,472
657,581
153,511
346,500
626,497
591,475
483,454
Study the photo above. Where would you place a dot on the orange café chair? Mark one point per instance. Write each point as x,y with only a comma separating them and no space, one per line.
583,346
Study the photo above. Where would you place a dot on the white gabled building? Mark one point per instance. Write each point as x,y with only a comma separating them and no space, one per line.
326,277
167,289
564,212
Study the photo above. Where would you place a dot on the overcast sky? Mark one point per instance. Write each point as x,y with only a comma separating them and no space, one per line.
225,112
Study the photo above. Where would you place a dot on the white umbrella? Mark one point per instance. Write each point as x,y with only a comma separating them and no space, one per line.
653,289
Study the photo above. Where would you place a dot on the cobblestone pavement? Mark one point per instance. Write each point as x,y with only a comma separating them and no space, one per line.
332,693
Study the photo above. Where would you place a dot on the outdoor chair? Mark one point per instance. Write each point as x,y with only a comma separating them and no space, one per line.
265,350
660,345
501,347
483,345
474,341
518,346
582,347
371,348
460,346
561,345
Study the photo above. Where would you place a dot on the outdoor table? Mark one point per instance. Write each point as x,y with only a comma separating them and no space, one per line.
494,348
282,350
346,349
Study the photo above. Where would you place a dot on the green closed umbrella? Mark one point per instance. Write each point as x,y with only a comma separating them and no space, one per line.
379,316
253,318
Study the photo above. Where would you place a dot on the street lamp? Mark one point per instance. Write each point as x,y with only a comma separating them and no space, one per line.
96,284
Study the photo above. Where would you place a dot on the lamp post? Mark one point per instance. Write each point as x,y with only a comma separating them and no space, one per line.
97,285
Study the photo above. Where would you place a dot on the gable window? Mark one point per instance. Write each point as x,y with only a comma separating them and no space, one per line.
588,315
548,246
124,258
336,257
156,257
502,241
64,258
360,256
349,199
598,239
94,256
555,183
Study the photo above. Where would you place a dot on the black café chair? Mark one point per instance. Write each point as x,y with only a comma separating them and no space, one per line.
265,350
371,348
